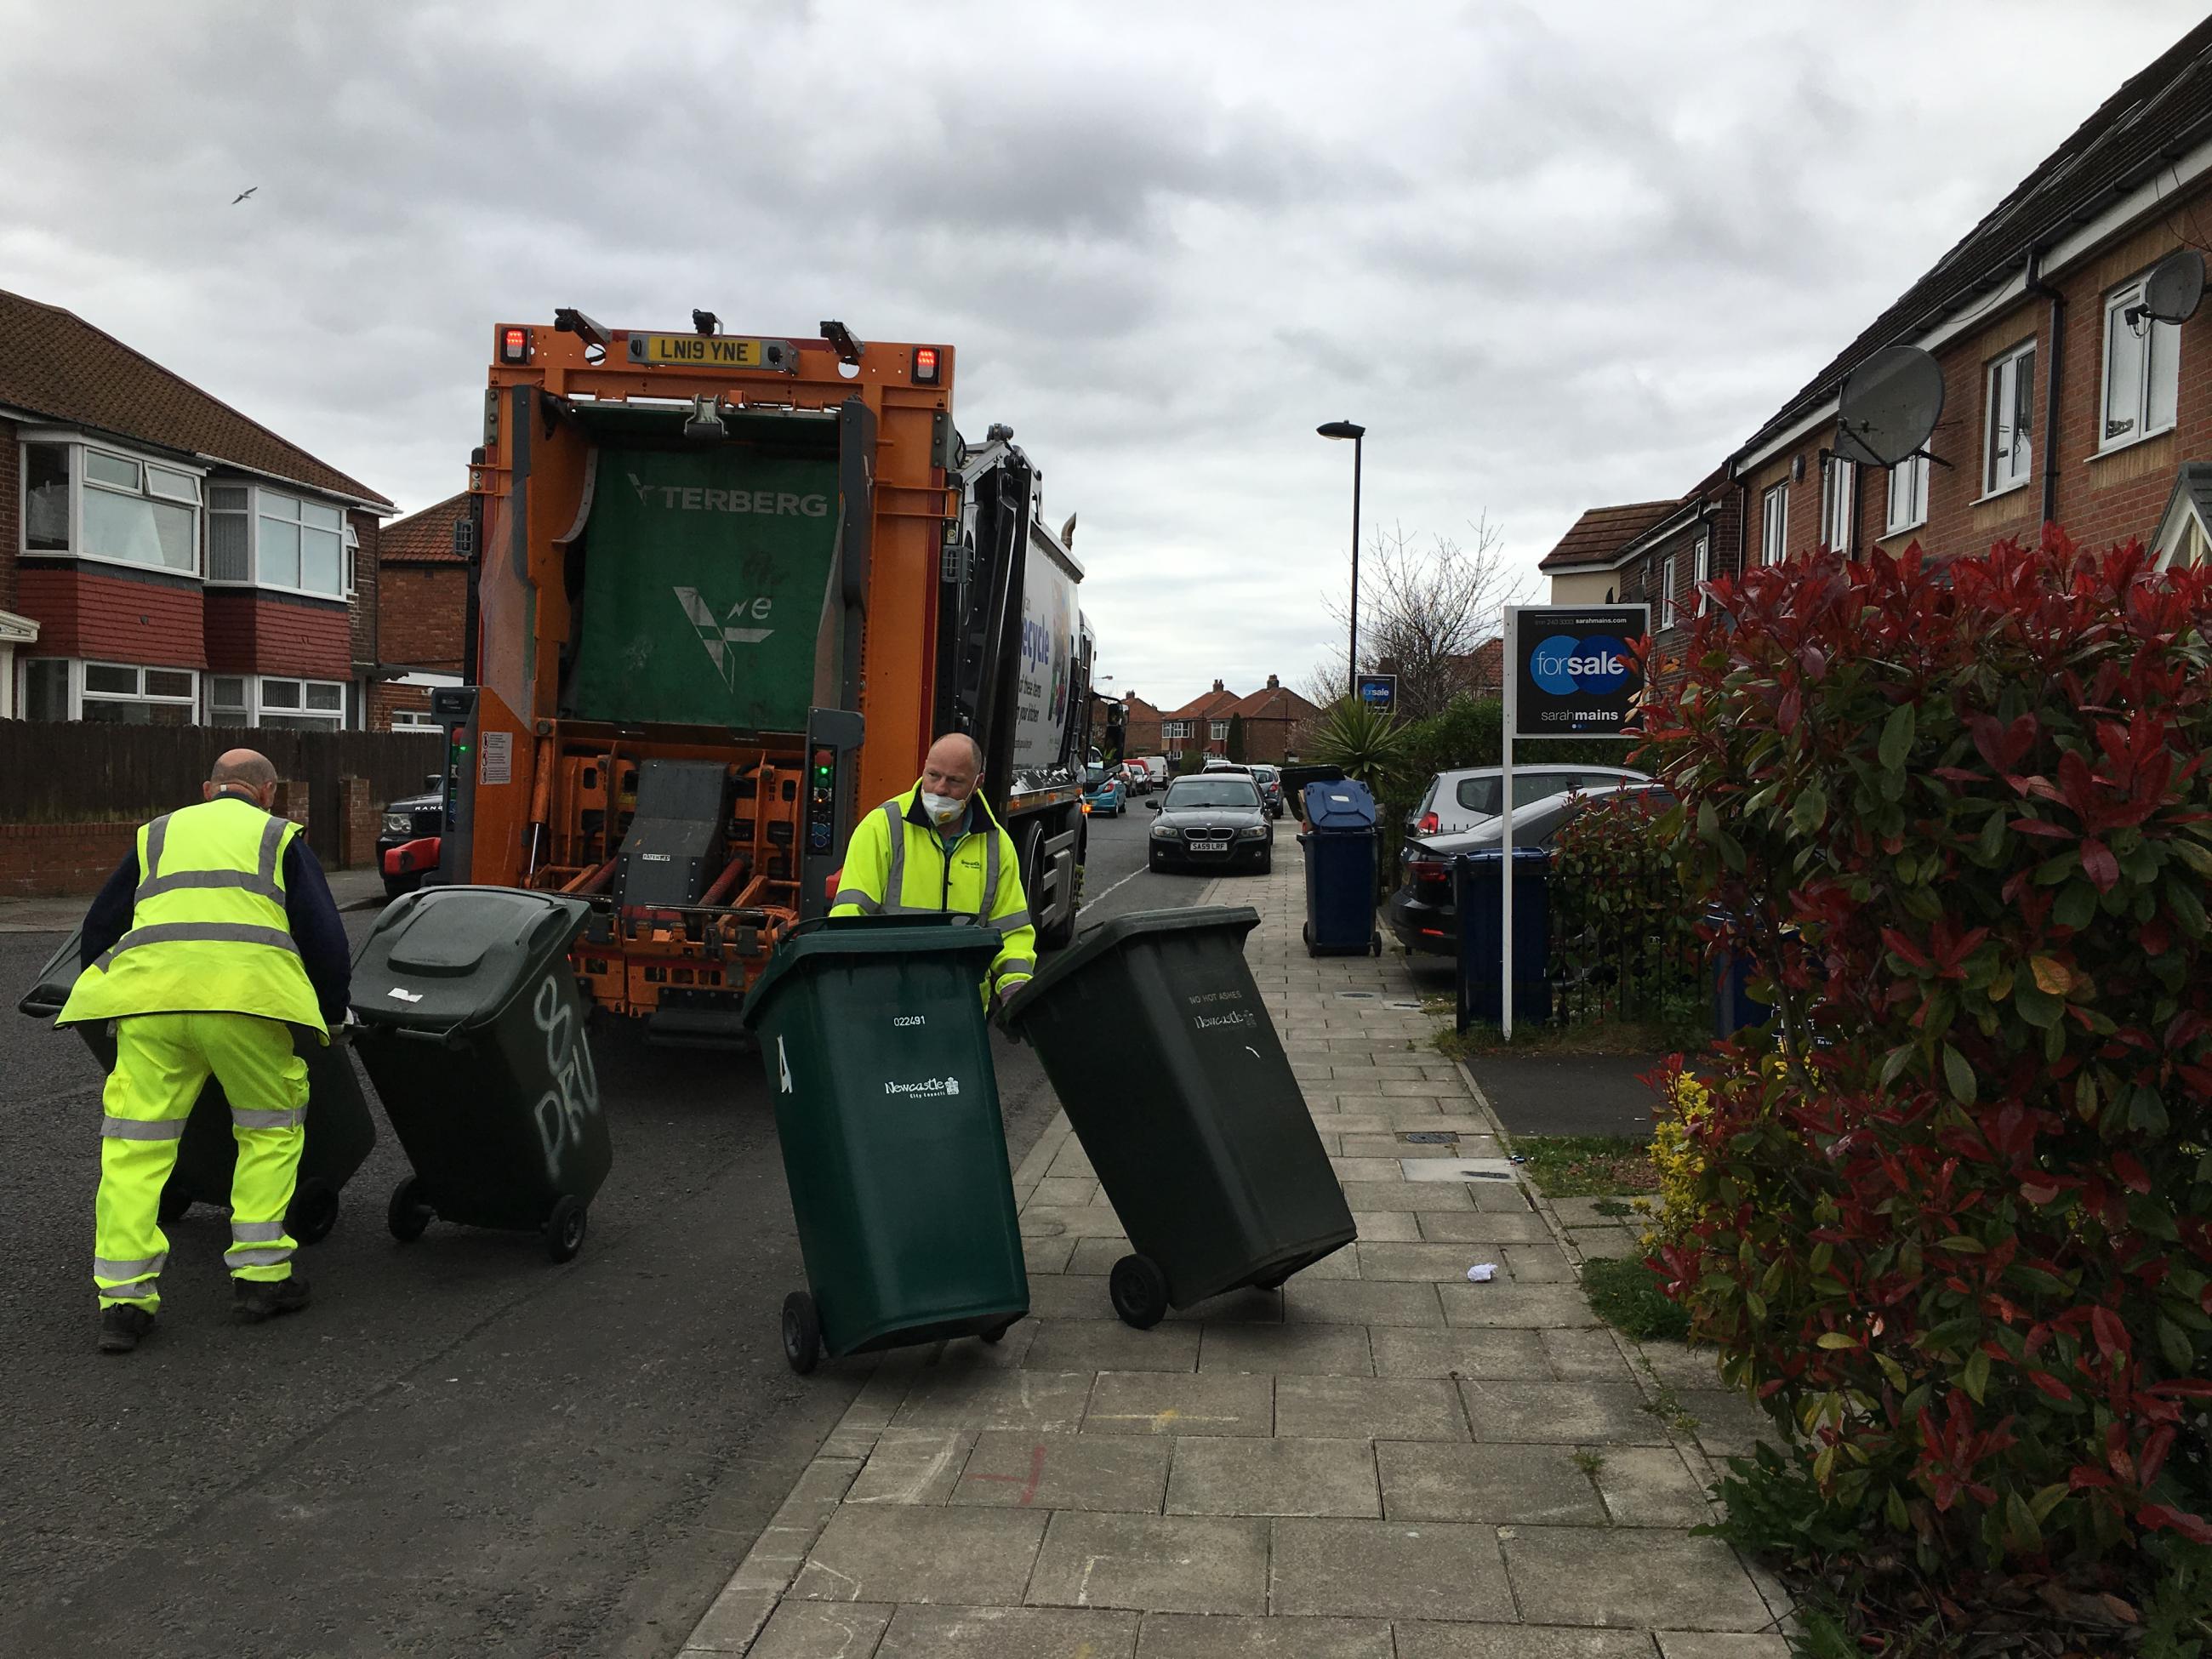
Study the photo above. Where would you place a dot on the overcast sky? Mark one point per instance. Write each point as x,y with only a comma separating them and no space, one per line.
1550,256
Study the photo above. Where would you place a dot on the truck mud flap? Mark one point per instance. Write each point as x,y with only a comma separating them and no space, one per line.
699,1019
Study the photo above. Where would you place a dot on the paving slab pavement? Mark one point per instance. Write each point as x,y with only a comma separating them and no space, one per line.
1383,1460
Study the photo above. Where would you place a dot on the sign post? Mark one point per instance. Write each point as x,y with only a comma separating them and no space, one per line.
1569,673
1378,691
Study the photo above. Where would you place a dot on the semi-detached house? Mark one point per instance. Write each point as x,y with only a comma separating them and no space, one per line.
2063,401
165,559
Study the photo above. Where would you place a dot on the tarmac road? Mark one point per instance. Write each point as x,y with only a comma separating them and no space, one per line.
461,1449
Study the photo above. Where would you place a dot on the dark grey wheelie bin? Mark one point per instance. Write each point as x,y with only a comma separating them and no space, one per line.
472,1032
339,1132
873,1033
1340,847
1195,1125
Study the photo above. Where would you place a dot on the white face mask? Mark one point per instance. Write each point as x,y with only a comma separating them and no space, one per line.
942,808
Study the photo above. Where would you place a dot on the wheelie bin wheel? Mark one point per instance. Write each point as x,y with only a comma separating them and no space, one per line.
174,1202
407,1215
1273,1281
564,1228
997,1333
1375,944
314,1212
1140,1290
802,1333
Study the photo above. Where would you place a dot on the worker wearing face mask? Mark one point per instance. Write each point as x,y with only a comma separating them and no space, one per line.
937,848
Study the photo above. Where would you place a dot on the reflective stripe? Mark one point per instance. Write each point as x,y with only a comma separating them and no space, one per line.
263,1255
1010,921
141,1290
261,880
256,1232
273,844
860,901
156,833
990,874
894,883
250,1117
1012,966
145,1266
201,879
139,1128
200,933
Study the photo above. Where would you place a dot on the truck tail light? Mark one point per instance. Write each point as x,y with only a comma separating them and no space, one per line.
514,344
928,365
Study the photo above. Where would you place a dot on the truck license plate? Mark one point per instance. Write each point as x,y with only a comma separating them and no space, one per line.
1209,847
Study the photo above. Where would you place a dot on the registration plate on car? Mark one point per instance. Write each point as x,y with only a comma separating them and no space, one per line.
1209,847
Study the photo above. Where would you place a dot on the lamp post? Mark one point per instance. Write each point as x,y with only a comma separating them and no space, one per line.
1346,429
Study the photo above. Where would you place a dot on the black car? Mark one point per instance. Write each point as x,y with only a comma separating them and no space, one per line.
1212,821
411,818
1421,912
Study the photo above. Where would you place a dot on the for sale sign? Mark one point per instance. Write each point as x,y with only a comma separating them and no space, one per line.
1575,669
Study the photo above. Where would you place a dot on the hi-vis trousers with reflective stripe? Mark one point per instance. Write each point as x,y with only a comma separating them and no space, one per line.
162,1062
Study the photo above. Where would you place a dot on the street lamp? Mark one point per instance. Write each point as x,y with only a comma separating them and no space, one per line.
1346,429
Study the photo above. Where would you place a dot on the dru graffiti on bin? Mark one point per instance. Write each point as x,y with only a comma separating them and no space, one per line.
575,1096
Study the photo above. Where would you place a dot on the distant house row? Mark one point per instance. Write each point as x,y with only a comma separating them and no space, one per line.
2063,400
1273,720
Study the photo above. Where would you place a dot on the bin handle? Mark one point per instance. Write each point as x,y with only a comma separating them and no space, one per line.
445,1039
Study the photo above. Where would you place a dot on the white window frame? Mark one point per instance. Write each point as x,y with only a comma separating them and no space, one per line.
2156,347
333,719
1701,571
1666,613
413,720
1839,502
81,691
1774,524
2015,467
254,511
1912,471
78,445
1219,730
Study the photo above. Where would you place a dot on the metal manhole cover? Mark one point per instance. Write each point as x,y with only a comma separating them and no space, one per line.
1360,996
1429,1138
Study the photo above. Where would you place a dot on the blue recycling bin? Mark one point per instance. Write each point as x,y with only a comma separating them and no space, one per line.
1734,1008
1339,844
1479,897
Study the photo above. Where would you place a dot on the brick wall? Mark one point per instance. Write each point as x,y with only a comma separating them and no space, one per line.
383,697
11,514
422,609
61,859
363,616
84,611
358,823
255,633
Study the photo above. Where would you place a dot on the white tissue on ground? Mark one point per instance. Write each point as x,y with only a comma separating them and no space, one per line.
1482,1271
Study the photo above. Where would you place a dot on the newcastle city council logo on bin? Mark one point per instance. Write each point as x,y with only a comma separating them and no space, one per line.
932,1087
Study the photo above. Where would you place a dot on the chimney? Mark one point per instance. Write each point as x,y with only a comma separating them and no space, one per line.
1218,685
1273,684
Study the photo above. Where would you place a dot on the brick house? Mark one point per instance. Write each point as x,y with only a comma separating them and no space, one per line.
423,599
1142,727
1586,568
2062,401
182,564
1274,719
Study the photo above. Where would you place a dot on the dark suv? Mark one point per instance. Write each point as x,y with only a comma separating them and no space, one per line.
413,827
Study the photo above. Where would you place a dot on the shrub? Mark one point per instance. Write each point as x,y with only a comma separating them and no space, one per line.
1958,1238
1624,943
1685,1104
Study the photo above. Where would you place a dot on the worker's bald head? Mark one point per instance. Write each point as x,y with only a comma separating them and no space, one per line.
243,772
954,765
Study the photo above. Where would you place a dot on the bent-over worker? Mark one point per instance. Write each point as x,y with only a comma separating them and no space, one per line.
215,940
939,848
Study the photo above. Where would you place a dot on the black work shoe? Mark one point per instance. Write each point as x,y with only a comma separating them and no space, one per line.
264,1299
122,1324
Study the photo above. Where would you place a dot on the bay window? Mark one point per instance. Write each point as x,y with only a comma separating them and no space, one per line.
263,538
93,502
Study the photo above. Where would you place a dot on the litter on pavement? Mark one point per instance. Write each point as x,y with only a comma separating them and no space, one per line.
1482,1271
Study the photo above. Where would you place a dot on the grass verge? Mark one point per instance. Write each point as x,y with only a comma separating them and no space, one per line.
1627,1295
1587,1166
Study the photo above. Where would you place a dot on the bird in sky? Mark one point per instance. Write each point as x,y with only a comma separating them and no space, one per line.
243,194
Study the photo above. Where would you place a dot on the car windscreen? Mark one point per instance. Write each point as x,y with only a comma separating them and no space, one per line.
1220,792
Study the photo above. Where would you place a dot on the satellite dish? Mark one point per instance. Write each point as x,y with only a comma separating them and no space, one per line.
2175,286
1890,403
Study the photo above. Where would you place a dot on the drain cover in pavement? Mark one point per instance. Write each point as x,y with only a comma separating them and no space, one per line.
1359,996
1457,1169
1430,1138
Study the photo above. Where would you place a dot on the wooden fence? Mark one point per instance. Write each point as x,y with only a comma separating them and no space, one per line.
63,773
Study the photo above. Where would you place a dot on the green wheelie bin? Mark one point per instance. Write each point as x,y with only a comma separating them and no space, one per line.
472,1032
873,1034
339,1132
1211,1160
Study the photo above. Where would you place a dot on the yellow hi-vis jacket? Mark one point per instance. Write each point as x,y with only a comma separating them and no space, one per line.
897,863
208,928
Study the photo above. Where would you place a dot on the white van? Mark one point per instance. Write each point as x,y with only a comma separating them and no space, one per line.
1158,767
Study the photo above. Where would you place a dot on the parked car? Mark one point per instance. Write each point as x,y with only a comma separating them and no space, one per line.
1138,781
1270,780
410,837
1104,792
1421,912
1220,763
1161,771
1210,821
1461,799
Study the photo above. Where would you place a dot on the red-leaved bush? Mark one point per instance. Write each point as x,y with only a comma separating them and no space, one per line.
1956,1230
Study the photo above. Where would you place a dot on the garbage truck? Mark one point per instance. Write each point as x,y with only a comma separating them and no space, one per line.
723,591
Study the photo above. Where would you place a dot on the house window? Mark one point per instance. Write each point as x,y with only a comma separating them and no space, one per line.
1701,568
352,561
1838,480
1774,524
101,504
1908,496
2142,370
1220,731
2009,455
47,507
260,538
1666,591
302,705
47,689
115,694
413,720
229,701
1174,731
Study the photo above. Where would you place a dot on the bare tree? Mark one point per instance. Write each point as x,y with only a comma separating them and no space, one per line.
1424,608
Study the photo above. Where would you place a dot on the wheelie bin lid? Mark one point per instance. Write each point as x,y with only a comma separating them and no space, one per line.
1344,804
847,938
50,990
451,959
1121,932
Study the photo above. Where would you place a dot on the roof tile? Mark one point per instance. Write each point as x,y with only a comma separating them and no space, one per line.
1604,531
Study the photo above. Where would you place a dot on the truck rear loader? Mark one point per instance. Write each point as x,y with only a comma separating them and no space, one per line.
724,590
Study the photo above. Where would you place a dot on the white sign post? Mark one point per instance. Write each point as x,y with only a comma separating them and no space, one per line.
1580,683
